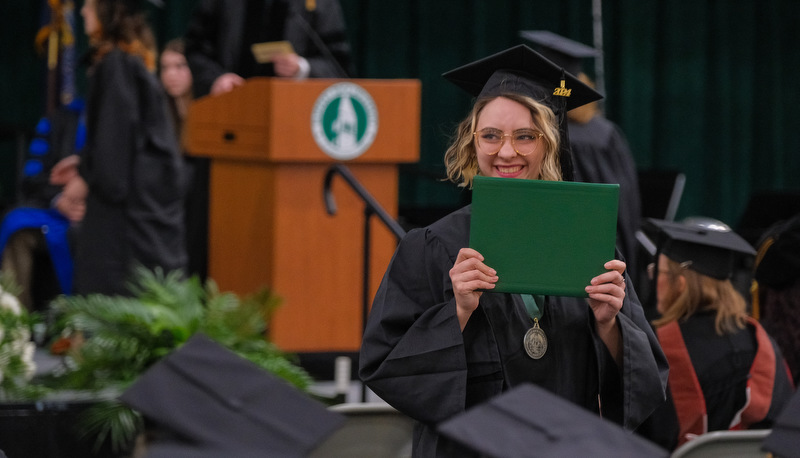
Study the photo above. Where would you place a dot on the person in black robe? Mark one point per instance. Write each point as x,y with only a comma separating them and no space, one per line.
726,371
220,34
776,288
176,77
438,341
130,170
218,48
600,150
602,155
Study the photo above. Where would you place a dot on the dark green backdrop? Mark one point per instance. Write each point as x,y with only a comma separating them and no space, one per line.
705,87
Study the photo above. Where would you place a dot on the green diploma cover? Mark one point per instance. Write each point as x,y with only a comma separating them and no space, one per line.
544,237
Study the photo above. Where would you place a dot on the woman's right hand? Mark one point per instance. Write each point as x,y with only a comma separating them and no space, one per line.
469,275
65,170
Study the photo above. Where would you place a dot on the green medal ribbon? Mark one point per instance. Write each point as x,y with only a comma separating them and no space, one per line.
532,304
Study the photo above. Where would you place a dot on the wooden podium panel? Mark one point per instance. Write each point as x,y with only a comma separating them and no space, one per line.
268,226
289,243
269,119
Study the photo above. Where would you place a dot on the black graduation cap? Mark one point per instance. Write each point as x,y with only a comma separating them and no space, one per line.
785,435
531,421
212,402
561,50
709,249
778,259
521,70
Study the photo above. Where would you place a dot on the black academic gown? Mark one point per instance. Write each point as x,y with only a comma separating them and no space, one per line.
601,154
219,30
723,366
415,357
133,167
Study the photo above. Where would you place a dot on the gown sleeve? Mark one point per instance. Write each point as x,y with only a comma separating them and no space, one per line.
644,366
412,354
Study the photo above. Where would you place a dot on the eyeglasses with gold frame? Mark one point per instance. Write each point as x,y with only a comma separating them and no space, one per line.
651,269
491,140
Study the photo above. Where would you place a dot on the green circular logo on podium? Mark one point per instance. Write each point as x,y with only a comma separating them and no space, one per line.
344,121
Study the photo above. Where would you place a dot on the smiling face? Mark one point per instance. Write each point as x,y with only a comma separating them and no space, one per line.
508,116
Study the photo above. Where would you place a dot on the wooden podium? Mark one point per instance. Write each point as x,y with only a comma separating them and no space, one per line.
268,222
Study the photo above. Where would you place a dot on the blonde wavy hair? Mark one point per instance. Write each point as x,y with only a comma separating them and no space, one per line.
461,159
703,293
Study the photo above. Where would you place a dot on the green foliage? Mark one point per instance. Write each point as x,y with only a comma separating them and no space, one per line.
109,421
124,336
241,326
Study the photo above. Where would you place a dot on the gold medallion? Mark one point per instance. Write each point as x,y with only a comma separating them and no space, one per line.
535,341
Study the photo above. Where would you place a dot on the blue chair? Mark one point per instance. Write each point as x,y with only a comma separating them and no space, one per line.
54,227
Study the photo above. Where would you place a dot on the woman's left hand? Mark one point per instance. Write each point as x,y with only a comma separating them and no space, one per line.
606,293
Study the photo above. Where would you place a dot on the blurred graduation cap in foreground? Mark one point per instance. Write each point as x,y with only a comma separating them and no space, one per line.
707,247
213,403
785,436
530,421
521,70
561,50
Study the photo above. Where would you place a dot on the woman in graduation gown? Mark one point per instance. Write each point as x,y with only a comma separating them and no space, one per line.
438,341
726,371
131,167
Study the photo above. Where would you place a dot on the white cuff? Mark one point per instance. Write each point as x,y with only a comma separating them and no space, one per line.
305,68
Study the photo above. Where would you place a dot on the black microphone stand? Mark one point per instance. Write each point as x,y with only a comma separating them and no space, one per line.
321,46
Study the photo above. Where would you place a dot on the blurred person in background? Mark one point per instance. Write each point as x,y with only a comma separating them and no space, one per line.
726,371
176,77
131,172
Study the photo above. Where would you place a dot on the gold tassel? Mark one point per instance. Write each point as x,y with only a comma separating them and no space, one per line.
57,34
754,312
762,251
311,5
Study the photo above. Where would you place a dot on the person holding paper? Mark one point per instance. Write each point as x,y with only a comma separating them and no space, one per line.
228,41
439,341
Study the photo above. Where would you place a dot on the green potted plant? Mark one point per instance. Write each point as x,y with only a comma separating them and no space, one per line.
107,342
